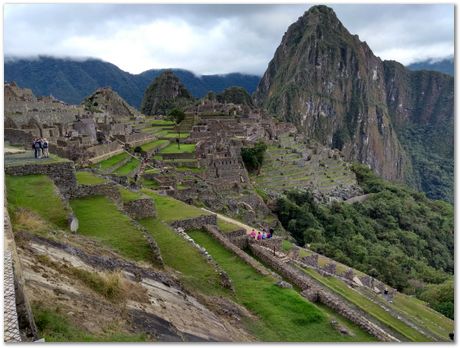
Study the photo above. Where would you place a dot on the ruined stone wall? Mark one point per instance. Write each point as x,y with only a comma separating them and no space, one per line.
140,208
136,139
227,244
18,137
62,173
314,291
195,223
103,149
173,156
108,189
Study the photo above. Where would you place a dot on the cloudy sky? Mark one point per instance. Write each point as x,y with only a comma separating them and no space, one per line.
212,39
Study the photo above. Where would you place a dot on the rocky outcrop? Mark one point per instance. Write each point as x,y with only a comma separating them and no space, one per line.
165,93
331,85
105,100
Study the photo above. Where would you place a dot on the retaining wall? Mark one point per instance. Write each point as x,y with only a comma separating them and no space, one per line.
140,208
108,189
195,223
62,173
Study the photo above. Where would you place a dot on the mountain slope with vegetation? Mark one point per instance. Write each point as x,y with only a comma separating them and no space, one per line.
73,80
331,85
396,234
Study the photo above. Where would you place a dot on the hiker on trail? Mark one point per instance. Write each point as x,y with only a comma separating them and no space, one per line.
269,235
271,232
259,235
45,148
264,235
253,233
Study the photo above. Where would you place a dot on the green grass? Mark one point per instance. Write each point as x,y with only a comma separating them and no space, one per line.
161,123
128,195
36,193
154,145
184,148
170,209
128,167
110,162
423,315
286,245
284,315
150,184
226,226
367,306
152,171
88,178
55,326
177,253
100,219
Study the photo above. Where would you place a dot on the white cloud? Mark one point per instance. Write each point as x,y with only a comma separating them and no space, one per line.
212,38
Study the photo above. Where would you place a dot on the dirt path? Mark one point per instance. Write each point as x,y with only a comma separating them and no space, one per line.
233,221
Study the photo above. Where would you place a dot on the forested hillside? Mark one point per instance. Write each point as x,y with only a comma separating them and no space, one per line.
396,234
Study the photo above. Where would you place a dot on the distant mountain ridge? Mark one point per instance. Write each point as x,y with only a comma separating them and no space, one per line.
73,80
445,66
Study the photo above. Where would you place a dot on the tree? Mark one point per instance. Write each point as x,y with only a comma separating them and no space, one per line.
253,157
177,116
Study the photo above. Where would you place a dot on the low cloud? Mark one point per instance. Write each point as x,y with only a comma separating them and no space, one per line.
209,39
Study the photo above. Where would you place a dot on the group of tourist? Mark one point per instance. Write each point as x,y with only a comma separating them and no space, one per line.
265,234
40,147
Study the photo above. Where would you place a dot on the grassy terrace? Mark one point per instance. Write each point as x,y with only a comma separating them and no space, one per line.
28,158
181,135
88,178
184,148
36,194
127,168
170,209
100,219
161,123
180,255
112,161
368,306
226,227
127,195
283,314
154,145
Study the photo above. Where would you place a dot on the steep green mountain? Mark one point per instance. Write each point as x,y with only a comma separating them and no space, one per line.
445,66
421,105
72,80
165,93
331,85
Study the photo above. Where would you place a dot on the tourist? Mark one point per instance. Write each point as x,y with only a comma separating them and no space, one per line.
264,235
269,235
271,232
37,147
45,148
253,234
259,235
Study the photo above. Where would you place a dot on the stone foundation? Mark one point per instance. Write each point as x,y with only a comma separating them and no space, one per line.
109,190
140,208
195,223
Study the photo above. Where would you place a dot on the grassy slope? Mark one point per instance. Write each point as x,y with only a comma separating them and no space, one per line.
184,148
110,162
170,209
100,219
154,145
284,314
226,227
88,178
132,164
57,327
127,195
195,271
38,194
376,311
